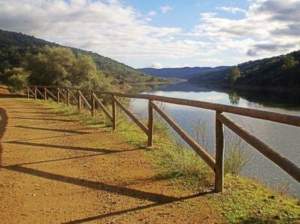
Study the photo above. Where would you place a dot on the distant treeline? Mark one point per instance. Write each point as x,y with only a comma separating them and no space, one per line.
276,72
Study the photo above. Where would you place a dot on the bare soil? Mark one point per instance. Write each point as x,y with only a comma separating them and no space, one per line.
55,170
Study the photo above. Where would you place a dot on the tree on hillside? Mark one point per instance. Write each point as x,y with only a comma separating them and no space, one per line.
16,78
234,75
289,62
60,66
86,75
52,66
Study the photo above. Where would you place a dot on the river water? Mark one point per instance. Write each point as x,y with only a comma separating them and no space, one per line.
284,139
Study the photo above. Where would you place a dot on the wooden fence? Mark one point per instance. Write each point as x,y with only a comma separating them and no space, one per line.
93,101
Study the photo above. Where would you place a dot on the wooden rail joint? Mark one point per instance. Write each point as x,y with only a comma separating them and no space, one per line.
191,142
263,148
132,116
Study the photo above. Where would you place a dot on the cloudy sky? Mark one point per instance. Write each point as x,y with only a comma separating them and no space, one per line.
162,33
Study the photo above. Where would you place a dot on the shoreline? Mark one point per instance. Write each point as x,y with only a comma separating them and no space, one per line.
248,88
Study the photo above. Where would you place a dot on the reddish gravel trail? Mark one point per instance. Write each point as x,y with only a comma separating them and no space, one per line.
55,170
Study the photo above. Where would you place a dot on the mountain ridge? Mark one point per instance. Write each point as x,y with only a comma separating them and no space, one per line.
15,45
279,71
180,72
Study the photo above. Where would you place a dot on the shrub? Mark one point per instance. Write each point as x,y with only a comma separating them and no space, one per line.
235,155
17,78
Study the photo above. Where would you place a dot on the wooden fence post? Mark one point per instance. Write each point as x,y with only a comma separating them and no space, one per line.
28,93
68,97
150,123
219,168
114,113
58,95
79,101
35,92
45,93
93,104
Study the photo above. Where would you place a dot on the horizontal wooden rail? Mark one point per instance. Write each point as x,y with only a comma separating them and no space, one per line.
217,163
73,96
85,100
61,93
102,106
39,92
131,115
248,112
263,148
191,142
51,94
30,91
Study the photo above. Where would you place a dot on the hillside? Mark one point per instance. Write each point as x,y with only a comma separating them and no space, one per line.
15,46
181,73
282,71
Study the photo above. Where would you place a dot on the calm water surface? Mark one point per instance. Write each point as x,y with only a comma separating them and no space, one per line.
283,138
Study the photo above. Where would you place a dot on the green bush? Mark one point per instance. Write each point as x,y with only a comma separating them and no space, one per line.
17,79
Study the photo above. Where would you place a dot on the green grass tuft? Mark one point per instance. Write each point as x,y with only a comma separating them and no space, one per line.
247,201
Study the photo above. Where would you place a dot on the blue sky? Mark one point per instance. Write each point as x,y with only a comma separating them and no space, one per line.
162,33
185,13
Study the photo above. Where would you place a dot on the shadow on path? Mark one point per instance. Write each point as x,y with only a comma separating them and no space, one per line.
139,208
157,199
46,138
43,119
50,129
99,152
75,148
95,185
3,124
41,112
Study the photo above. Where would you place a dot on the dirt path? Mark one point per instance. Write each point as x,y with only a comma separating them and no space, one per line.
54,170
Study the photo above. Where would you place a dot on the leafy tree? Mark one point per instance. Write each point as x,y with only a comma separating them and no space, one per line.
289,62
17,78
234,75
60,66
52,66
86,75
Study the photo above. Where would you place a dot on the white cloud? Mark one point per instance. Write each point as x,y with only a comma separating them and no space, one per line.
268,27
107,27
152,13
233,10
165,9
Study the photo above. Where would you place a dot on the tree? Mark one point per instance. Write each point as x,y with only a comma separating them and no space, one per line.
17,78
234,98
289,62
52,66
234,75
61,67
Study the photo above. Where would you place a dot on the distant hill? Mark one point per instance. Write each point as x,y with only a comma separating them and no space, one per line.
282,71
14,46
181,73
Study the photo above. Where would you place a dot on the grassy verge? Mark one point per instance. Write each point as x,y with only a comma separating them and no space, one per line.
243,201
247,201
